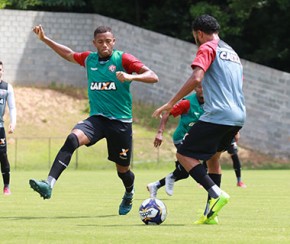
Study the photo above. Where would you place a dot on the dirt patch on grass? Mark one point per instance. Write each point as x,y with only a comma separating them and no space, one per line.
45,112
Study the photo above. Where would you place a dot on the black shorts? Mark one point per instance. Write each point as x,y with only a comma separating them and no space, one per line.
118,135
3,145
205,139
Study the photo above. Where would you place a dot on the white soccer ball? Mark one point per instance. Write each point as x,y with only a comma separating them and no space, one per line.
152,211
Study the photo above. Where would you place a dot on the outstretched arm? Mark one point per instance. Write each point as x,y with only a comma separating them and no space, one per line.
63,51
193,81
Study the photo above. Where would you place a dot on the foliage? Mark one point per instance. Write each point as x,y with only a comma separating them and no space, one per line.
3,3
19,4
257,29
65,3
41,4
118,9
169,17
266,29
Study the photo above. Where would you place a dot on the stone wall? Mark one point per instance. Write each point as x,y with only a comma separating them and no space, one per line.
28,62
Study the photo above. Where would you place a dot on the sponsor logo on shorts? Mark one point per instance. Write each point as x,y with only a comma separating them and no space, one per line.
2,141
123,154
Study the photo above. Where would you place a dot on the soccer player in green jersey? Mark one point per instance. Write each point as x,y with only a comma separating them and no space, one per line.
189,109
6,96
109,76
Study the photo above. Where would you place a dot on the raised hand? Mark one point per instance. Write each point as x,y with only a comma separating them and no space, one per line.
38,30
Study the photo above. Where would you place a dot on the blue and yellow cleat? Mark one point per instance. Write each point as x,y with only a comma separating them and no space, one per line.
42,187
126,204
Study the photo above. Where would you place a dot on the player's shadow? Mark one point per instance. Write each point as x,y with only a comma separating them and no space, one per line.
84,217
58,217
136,225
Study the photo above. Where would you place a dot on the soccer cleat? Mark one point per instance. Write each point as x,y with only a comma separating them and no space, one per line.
152,188
42,187
6,191
214,221
126,204
241,184
216,205
201,220
169,184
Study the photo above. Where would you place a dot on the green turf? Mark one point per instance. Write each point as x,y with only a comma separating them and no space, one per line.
84,207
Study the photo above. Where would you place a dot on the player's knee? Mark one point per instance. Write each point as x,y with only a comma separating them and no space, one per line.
232,151
3,157
3,150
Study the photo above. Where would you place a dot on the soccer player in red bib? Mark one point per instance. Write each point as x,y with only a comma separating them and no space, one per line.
109,76
218,68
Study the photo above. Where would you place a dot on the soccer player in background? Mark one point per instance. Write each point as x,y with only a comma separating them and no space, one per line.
218,68
6,95
109,76
189,109
233,151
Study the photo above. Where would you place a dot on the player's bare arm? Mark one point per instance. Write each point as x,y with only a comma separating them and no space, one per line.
12,109
145,75
63,51
159,136
193,81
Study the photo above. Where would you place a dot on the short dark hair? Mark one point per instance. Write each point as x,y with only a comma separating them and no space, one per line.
1,63
206,24
102,29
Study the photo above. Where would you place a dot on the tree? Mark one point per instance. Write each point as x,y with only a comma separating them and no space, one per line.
40,4
257,29
18,4
266,30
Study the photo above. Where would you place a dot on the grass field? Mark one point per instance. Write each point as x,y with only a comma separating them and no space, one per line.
84,207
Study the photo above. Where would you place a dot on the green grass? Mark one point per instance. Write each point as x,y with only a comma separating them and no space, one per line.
84,206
